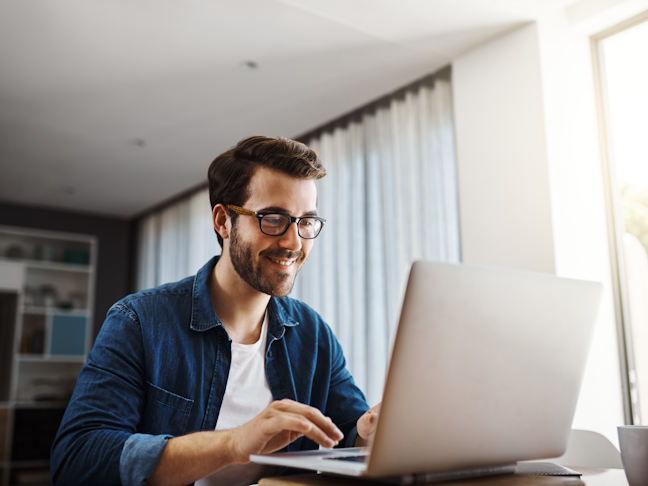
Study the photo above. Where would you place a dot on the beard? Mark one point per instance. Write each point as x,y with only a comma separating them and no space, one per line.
272,282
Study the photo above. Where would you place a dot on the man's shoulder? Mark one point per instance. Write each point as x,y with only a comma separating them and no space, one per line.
180,288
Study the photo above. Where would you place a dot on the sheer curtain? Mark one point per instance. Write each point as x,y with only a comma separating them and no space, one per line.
390,197
174,242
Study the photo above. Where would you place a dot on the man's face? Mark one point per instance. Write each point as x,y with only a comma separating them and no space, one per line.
269,264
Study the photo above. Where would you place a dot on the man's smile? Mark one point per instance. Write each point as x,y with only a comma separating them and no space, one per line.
285,263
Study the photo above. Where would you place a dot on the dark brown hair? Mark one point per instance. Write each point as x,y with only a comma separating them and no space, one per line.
230,173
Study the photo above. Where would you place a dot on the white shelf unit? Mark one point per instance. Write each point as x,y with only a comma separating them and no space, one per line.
47,282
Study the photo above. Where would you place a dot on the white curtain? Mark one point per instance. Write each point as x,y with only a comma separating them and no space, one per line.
390,197
174,242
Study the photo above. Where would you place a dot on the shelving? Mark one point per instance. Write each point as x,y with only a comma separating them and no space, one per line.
32,309
46,265
46,301
54,334
8,311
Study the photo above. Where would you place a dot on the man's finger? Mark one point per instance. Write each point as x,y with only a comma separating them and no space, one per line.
293,422
373,414
313,415
375,408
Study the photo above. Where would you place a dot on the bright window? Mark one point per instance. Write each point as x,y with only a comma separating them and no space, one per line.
623,60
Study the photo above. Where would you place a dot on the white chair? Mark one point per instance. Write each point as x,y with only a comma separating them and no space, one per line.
589,449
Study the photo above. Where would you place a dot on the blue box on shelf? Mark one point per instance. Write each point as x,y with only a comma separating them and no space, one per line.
77,256
68,336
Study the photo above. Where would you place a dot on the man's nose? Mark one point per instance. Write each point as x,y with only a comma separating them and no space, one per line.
291,240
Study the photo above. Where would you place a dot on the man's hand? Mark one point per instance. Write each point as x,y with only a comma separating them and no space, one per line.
281,423
367,426
187,458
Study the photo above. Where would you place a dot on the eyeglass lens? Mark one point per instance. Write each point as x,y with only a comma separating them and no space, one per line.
276,224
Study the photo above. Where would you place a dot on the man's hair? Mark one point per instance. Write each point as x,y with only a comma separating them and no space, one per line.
230,173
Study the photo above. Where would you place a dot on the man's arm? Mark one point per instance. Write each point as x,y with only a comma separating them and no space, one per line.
345,403
189,458
101,420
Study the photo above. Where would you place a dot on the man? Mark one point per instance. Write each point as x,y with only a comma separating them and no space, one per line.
186,380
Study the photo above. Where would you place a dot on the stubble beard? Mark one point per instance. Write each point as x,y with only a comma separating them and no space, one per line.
277,284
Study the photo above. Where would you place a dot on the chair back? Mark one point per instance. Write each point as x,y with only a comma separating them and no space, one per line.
589,449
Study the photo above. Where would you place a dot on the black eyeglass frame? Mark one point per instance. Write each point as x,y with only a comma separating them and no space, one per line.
292,219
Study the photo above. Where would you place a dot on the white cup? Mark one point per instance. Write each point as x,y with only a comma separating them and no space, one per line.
633,440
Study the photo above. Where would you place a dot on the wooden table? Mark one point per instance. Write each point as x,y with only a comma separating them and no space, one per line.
602,477
590,477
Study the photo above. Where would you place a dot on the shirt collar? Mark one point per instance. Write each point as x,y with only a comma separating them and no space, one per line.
203,316
279,319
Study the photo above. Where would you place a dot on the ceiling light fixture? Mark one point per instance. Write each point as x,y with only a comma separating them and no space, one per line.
248,66
137,142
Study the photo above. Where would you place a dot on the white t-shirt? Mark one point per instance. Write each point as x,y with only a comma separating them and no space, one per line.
247,394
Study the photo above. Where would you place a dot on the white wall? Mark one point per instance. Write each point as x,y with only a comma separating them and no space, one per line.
501,150
530,177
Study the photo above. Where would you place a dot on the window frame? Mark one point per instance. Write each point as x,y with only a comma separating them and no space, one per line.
615,221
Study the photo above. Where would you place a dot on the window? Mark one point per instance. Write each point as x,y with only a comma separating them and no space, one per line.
620,58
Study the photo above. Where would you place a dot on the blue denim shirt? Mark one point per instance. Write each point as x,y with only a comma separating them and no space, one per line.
159,368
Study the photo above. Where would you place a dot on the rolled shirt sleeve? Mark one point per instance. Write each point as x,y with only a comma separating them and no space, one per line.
140,457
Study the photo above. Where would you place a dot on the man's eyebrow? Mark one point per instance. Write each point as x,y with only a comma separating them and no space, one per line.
277,209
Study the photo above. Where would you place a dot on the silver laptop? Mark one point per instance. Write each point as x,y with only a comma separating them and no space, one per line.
485,371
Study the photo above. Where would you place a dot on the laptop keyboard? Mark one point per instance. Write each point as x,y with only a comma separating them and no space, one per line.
348,458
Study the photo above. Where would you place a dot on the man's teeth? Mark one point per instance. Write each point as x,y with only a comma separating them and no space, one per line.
285,264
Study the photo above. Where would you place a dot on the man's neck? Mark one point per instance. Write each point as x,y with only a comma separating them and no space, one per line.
239,307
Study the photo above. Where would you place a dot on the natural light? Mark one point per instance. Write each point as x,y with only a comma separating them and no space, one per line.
625,65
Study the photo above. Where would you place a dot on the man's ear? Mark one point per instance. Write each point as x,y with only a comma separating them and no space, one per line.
220,220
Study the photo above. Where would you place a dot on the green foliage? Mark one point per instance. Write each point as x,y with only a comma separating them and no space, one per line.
634,202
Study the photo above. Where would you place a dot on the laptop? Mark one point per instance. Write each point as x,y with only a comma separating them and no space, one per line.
485,371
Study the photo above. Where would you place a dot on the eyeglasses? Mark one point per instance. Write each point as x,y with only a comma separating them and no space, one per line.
276,224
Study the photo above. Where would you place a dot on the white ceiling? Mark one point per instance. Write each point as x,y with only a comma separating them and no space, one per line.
112,106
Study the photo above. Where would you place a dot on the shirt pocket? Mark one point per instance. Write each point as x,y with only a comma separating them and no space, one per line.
165,412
